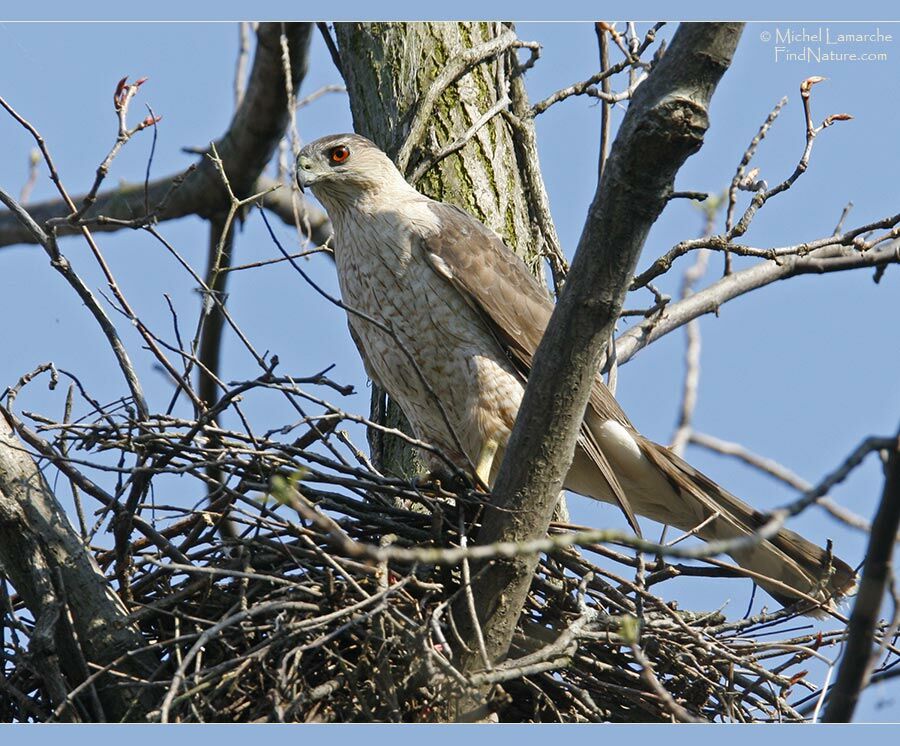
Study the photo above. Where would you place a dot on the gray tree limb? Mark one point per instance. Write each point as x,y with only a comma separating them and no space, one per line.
664,124
245,148
51,569
856,662
708,300
126,203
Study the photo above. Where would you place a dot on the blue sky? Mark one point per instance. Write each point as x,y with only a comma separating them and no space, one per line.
800,371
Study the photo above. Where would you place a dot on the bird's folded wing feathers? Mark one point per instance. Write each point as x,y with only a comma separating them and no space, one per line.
514,306
492,279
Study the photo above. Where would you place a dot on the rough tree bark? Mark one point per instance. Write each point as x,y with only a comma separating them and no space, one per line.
664,124
79,621
390,69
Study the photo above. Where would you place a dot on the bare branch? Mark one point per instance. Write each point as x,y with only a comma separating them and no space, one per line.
782,474
245,148
589,86
832,258
678,712
332,47
47,562
240,66
856,663
62,265
691,353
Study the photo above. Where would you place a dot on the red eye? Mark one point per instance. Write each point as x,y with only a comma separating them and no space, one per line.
340,154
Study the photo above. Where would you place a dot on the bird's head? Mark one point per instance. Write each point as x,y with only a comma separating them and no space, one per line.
341,169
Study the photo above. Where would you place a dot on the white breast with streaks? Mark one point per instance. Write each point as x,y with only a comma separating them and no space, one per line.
385,275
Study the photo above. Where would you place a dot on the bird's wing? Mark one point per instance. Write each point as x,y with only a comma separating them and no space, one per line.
515,307
492,279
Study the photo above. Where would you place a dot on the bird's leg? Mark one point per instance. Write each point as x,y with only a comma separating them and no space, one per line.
486,461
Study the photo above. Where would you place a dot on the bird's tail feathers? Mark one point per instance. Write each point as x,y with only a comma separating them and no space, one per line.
787,566
661,486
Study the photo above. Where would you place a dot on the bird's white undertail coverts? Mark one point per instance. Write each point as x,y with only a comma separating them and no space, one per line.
447,319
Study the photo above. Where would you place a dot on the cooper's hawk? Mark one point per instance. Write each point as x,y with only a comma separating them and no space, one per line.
447,319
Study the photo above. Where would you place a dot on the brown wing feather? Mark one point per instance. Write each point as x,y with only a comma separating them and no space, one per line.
492,278
515,307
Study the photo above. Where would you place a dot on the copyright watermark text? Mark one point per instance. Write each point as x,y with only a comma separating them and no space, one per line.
807,43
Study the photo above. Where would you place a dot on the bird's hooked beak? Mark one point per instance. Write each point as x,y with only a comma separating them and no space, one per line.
306,175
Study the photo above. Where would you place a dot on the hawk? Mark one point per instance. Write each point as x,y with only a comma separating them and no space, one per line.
447,319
